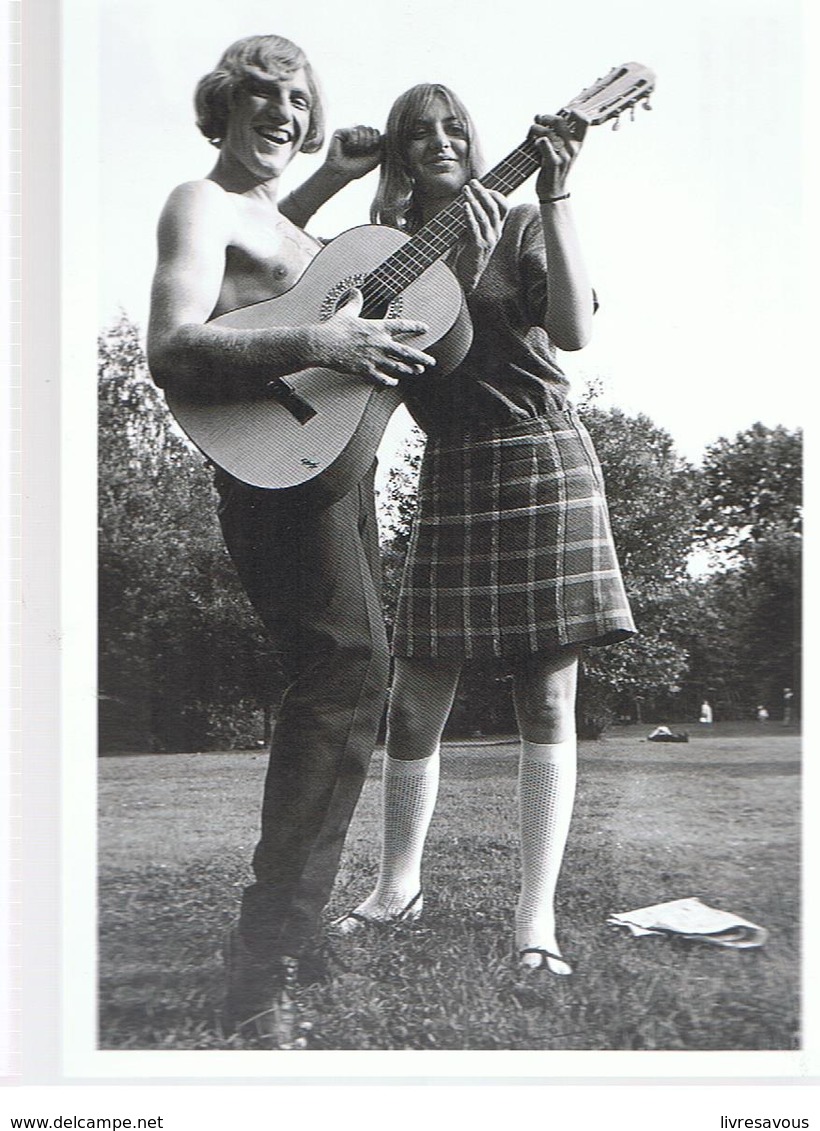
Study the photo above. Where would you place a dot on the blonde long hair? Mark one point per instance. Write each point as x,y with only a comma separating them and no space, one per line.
394,203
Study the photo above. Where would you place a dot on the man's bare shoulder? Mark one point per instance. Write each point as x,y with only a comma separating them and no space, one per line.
196,213
193,197
197,204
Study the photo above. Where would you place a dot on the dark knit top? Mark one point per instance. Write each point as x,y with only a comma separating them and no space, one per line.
510,373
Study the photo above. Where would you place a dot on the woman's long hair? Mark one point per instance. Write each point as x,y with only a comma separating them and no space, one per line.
394,203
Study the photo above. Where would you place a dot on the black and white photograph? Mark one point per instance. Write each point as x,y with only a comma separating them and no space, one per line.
432,655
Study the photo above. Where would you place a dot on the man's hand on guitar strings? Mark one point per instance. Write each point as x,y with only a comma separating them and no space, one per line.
369,347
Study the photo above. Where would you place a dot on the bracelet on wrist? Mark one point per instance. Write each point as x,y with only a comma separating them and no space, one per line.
553,199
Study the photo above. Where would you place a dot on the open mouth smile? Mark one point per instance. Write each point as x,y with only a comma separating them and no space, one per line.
275,135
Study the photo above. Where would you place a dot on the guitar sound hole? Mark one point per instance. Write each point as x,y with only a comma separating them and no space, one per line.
339,295
381,310
387,308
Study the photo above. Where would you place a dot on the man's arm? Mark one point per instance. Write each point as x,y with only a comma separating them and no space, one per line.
352,154
191,356
184,353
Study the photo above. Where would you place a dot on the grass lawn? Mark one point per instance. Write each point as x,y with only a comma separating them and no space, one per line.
717,818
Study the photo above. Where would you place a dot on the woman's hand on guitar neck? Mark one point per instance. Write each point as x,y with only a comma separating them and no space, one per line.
558,147
368,348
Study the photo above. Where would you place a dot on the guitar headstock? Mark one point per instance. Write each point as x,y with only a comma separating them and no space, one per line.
621,89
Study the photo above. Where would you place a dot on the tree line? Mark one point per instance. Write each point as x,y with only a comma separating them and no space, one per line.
184,665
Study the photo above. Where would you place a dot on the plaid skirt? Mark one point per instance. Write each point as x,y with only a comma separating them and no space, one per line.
511,551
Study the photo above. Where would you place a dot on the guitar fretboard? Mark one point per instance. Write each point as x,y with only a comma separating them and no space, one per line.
429,243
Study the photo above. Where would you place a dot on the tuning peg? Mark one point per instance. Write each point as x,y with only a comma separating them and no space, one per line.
647,105
616,125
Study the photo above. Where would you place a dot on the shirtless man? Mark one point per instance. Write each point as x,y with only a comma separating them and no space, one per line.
312,573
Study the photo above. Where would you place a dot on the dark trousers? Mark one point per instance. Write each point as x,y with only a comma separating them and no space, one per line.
313,576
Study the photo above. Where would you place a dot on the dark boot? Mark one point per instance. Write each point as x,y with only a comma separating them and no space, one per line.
259,1000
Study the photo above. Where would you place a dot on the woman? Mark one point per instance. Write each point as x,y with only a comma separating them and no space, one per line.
511,554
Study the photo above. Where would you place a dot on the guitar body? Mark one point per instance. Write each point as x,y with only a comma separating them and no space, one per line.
328,442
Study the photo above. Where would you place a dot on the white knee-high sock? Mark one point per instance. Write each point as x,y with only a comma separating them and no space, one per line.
546,793
409,792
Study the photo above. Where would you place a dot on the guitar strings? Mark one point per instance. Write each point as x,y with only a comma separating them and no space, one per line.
400,269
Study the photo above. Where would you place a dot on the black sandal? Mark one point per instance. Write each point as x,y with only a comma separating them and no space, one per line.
408,914
546,956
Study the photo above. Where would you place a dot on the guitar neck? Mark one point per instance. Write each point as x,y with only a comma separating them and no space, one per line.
447,226
430,242
621,89
439,234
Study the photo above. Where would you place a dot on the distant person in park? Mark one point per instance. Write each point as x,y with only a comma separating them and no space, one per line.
788,706
706,715
311,573
762,713
511,556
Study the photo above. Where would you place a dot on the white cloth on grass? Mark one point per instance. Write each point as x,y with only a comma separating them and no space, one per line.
692,919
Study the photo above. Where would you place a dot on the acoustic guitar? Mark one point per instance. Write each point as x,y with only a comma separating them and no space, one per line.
318,430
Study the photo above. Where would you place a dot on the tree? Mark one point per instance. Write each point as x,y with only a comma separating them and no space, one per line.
751,488
743,634
183,663
395,506
750,517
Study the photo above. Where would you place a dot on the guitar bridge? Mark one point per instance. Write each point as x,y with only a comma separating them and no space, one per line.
288,398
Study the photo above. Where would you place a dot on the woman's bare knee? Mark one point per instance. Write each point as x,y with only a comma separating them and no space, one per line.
545,689
420,702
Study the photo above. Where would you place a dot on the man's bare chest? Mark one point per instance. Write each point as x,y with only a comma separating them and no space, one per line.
264,259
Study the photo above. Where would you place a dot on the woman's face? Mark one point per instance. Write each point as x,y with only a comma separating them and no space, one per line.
438,150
